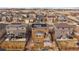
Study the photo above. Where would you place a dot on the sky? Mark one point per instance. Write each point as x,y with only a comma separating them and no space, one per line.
38,3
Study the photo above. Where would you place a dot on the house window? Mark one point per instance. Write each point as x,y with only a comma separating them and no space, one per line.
22,27
39,34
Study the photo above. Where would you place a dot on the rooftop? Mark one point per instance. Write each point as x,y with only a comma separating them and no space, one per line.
64,25
39,25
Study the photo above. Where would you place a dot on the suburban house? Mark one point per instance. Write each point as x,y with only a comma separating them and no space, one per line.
39,30
51,18
76,32
16,30
64,30
31,16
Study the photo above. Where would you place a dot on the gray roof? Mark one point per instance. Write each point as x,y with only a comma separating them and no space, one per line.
64,25
16,25
39,25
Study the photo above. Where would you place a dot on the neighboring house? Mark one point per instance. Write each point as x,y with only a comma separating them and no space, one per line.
76,32
4,18
62,18
0,17
31,16
51,18
2,30
9,18
20,18
40,17
63,30
15,17
16,30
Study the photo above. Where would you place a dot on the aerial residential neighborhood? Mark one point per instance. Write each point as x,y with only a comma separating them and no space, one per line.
39,29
